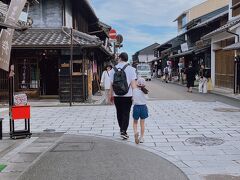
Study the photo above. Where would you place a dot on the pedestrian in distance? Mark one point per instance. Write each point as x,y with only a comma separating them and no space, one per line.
190,77
106,83
123,81
202,87
140,110
166,74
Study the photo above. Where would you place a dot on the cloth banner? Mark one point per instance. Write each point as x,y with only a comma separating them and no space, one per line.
209,85
6,35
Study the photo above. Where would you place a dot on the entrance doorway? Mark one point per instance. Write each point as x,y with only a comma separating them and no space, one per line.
49,80
225,69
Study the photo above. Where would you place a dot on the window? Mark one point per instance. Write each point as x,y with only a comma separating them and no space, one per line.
143,68
27,75
184,20
77,67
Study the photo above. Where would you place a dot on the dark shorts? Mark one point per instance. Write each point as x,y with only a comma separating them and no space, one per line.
140,111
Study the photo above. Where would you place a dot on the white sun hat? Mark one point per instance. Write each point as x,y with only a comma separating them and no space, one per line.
141,82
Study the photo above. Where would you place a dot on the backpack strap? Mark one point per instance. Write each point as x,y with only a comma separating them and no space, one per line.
115,69
124,67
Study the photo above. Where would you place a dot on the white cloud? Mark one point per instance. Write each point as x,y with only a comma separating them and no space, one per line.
144,12
131,15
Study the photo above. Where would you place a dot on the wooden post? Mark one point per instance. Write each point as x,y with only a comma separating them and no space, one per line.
71,68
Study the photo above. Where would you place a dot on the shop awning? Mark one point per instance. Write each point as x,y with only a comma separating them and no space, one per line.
210,20
222,29
202,49
235,46
182,54
53,38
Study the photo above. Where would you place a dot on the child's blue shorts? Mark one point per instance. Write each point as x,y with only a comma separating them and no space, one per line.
140,111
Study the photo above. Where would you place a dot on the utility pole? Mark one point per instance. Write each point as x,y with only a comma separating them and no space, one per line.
71,67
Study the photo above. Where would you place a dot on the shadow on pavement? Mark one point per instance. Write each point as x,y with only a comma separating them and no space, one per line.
92,158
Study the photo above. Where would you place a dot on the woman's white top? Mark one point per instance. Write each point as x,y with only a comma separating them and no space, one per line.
105,80
139,98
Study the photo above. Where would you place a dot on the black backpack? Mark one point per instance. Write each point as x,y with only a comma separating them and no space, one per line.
120,84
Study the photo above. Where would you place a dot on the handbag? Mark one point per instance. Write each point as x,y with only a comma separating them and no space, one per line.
209,85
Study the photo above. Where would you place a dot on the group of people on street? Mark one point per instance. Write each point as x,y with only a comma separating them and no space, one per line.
123,88
204,81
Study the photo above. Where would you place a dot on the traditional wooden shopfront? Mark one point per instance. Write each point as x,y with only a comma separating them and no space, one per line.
224,71
41,60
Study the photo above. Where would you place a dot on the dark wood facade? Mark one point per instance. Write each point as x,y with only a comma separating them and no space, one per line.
43,69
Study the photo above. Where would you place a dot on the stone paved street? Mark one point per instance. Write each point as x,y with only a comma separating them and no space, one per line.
169,125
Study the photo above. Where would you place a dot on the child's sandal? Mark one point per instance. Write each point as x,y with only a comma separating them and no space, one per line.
136,138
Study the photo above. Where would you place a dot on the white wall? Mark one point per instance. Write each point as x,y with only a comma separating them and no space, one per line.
230,10
68,14
146,58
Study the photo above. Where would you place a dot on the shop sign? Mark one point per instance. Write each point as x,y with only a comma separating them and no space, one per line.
184,47
6,35
112,34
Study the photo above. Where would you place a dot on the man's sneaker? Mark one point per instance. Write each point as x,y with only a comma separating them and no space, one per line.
124,135
136,138
141,140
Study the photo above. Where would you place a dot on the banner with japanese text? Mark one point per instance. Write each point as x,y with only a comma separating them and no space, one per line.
6,35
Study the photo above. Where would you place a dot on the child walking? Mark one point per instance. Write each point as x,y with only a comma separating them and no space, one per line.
140,110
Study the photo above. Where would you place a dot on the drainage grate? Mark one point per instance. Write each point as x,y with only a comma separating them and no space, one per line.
73,146
205,141
226,110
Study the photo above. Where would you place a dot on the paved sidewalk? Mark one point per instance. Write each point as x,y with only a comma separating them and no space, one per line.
91,158
168,129
226,92
97,99
18,155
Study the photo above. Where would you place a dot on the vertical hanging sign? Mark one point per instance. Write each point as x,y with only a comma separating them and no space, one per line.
6,35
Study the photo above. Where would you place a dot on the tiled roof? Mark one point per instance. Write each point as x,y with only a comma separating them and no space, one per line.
235,46
182,54
222,28
54,38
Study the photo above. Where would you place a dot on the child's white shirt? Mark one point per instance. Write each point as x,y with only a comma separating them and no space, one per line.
139,98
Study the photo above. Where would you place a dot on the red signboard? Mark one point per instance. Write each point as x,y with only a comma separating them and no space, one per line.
112,34
20,112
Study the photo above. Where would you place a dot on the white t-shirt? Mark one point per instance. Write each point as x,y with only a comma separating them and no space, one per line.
130,73
105,80
139,98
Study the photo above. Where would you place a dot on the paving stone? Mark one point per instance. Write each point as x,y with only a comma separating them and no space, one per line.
34,150
22,157
9,175
169,125
16,167
193,164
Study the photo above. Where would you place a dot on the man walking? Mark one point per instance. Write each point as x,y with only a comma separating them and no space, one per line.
123,80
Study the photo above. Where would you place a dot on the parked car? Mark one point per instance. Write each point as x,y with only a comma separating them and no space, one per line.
144,71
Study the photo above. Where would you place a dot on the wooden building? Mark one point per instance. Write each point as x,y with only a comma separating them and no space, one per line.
41,55
224,42
188,46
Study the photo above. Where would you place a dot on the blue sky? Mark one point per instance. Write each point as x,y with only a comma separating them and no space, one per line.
142,22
